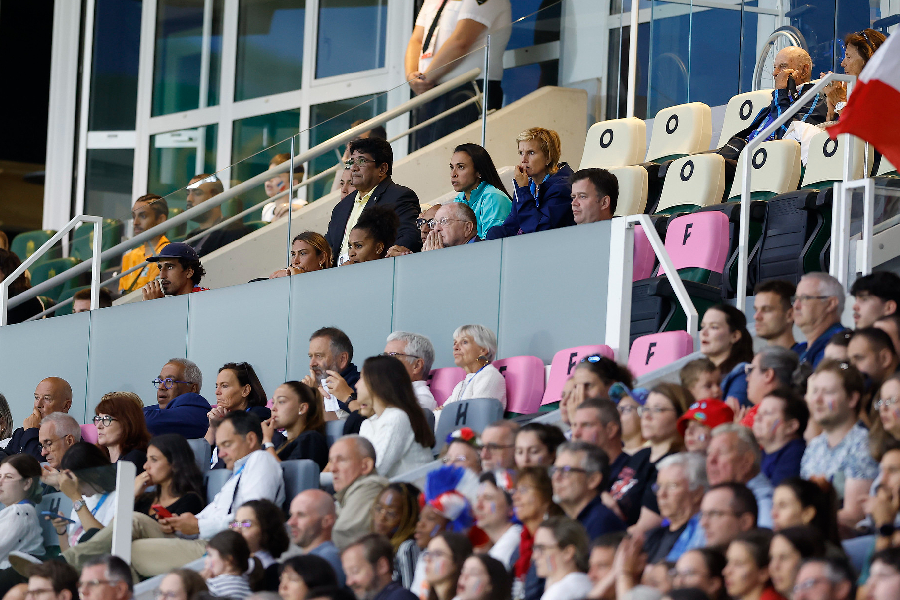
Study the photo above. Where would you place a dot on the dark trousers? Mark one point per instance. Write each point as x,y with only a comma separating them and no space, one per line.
451,123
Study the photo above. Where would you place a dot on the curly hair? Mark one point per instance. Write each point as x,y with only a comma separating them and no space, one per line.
381,224
409,511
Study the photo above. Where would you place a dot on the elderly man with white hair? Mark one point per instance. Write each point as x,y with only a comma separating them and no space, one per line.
474,348
734,456
680,485
58,433
818,305
455,224
416,352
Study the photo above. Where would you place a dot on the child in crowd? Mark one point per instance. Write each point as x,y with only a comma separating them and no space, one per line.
701,378
228,569
701,418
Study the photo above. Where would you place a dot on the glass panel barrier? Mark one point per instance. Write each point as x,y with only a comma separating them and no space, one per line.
107,186
176,156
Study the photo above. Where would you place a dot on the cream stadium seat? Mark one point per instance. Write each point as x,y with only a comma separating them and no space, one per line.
775,170
739,113
632,190
692,182
615,143
825,163
680,130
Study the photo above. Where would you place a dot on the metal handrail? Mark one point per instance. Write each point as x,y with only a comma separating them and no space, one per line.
249,184
744,225
6,303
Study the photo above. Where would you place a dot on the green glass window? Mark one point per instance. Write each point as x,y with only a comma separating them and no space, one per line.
269,47
176,156
107,186
350,36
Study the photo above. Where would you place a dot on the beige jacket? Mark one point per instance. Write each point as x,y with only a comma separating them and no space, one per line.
355,509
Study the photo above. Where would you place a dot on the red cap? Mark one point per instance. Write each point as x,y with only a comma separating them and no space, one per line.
709,412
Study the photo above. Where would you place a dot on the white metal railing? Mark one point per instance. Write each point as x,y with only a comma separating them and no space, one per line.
744,225
867,256
241,188
6,303
618,315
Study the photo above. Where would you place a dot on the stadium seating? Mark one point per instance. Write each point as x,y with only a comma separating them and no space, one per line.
202,453
475,413
680,130
692,182
25,244
333,430
615,143
633,182
442,382
886,168
49,269
89,433
698,245
83,239
775,169
825,164
650,352
561,368
214,479
644,260
524,383
298,475
739,113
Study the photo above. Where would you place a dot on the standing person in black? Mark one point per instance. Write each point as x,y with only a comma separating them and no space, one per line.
371,163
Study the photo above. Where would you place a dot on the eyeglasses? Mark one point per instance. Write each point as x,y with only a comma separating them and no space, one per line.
497,447
885,402
593,358
420,222
359,161
541,548
380,509
656,488
396,354
106,420
166,595
240,524
565,471
809,584
90,583
794,299
652,410
167,382
715,514
432,554
626,410
48,444
452,460
522,489
673,573
444,221
748,368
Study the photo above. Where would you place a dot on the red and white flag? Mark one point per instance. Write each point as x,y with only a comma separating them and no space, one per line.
873,109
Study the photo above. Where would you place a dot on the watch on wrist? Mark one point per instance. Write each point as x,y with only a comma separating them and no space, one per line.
886,530
267,445
78,504
351,398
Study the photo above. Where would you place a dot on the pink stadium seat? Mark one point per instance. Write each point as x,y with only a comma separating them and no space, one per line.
698,240
644,257
524,383
442,382
89,433
650,352
564,362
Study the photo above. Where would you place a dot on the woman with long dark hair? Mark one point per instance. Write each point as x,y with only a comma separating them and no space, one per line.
747,568
397,427
299,410
229,570
86,477
444,559
261,522
797,502
594,375
536,444
237,388
788,549
301,574
474,176
121,428
395,514
174,475
483,578
725,341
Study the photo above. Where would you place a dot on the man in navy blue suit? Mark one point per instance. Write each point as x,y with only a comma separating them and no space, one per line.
180,408
371,163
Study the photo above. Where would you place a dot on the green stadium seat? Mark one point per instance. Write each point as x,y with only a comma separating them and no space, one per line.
83,241
50,269
68,293
179,230
254,225
26,243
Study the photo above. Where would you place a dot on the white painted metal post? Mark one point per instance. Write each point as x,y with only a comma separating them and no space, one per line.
121,537
632,58
621,273
95,263
484,92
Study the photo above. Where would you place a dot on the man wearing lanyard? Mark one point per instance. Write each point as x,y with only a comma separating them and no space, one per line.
256,475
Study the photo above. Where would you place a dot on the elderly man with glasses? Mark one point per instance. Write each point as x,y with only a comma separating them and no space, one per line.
180,409
818,306
455,224
578,476
416,352
680,486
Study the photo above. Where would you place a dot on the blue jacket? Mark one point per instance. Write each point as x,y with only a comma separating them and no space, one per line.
551,209
185,415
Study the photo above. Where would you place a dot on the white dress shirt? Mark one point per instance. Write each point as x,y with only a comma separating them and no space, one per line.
424,395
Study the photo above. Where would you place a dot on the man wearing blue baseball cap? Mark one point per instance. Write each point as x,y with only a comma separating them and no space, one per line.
180,272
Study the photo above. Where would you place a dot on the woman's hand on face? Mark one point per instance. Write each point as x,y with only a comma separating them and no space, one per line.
521,176
881,506
69,485
217,413
141,483
268,430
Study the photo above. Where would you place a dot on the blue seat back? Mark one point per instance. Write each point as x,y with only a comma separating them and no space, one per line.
333,430
202,453
299,475
476,413
215,479
56,502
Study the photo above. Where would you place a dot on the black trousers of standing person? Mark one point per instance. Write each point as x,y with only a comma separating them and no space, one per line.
447,125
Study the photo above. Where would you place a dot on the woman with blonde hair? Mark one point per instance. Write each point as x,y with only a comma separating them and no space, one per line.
474,348
542,198
309,252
